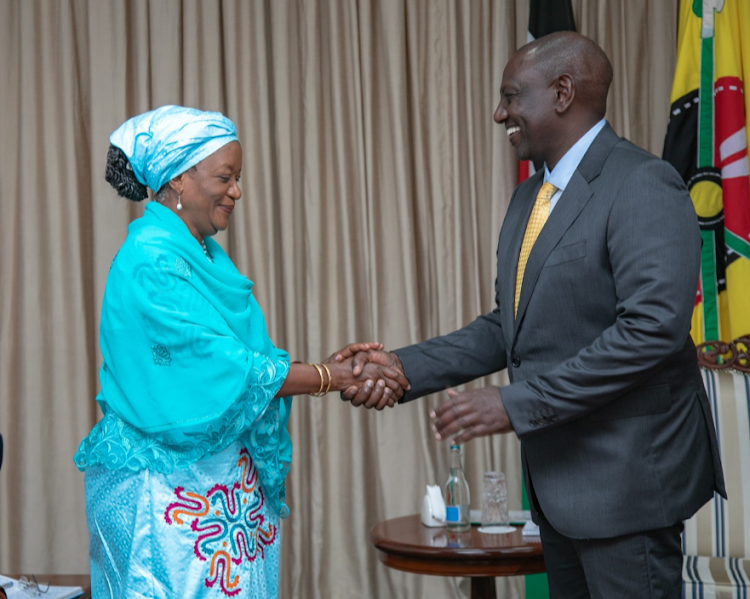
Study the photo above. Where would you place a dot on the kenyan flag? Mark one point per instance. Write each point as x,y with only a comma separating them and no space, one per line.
707,143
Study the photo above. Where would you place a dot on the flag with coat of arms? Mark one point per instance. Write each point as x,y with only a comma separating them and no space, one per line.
707,142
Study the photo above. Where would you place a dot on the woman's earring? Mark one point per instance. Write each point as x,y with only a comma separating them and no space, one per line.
179,201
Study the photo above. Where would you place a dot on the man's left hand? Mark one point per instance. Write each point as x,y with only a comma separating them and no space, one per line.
469,414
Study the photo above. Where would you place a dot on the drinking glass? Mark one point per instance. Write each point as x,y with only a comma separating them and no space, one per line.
495,500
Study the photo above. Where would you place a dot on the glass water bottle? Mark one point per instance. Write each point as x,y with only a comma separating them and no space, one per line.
457,497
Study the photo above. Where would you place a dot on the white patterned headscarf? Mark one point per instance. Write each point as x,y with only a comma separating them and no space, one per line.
165,142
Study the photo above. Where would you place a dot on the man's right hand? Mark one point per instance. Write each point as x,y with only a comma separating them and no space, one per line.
371,395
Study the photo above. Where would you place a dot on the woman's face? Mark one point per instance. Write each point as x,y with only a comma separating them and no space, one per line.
210,190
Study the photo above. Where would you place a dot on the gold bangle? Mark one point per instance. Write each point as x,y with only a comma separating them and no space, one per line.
322,381
330,379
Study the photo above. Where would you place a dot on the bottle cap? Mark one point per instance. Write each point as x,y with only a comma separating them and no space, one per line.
455,446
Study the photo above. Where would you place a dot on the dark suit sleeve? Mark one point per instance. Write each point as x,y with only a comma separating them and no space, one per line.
653,250
476,350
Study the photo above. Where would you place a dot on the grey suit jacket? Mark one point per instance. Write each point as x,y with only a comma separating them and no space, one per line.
605,395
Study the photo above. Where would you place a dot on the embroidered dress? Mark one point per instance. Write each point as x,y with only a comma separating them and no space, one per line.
185,471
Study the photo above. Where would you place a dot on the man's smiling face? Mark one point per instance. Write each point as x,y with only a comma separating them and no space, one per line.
527,108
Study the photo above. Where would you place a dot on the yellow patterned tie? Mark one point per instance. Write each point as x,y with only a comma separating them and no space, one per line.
539,214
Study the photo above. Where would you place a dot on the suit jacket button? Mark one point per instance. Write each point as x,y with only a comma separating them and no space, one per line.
515,360
533,423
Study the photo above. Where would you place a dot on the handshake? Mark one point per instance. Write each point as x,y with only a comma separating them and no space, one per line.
367,375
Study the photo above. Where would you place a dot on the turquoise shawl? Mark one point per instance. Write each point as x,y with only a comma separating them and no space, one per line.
188,365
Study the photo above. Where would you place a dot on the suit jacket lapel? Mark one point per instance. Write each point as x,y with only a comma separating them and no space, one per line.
575,197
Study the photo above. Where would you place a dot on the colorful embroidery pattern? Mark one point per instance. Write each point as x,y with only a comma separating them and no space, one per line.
228,523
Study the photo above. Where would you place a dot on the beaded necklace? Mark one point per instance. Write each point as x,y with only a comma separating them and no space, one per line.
205,251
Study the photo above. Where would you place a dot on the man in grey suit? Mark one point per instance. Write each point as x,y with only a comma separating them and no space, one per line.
592,322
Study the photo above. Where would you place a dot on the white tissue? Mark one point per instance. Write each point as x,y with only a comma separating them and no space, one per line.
433,507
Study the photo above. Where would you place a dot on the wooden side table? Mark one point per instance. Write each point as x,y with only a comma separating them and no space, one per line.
406,544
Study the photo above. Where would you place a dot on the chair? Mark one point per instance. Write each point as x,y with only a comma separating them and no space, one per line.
716,540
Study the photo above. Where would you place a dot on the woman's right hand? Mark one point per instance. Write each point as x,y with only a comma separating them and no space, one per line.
376,384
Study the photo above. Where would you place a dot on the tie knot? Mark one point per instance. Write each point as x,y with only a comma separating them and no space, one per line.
546,192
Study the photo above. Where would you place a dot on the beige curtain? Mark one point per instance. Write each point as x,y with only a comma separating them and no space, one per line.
374,183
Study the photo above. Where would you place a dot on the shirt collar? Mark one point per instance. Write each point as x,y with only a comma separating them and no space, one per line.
564,169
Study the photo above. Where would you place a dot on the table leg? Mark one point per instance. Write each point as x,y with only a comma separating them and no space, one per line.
483,588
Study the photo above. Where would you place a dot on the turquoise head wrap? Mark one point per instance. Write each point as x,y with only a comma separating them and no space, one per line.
165,142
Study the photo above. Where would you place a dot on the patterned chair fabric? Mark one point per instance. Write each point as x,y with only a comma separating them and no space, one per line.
715,577
716,541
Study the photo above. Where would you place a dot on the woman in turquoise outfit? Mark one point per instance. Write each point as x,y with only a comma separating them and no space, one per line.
185,472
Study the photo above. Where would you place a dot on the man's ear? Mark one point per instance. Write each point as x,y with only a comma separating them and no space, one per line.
565,91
